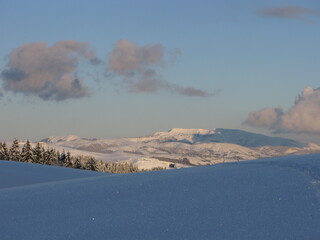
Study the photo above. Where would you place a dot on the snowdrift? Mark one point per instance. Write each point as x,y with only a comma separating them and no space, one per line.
276,198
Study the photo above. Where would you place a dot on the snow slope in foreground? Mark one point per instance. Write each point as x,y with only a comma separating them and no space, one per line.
276,198
14,174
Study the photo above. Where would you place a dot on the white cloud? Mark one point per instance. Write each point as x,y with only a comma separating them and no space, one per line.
302,117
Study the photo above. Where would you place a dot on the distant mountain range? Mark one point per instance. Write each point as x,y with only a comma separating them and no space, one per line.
184,147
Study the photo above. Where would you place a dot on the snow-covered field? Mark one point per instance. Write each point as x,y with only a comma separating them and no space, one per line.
274,198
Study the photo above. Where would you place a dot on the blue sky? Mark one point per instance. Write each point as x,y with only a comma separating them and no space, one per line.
236,58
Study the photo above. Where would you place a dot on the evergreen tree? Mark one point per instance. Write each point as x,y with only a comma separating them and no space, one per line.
43,160
4,151
1,151
100,166
46,157
62,158
27,153
57,157
38,154
67,161
91,164
14,152
77,163
53,159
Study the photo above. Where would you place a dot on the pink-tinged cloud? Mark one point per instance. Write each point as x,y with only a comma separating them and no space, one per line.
302,117
265,118
288,11
127,57
48,72
138,68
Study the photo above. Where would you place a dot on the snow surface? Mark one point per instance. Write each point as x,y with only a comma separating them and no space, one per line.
13,174
275,198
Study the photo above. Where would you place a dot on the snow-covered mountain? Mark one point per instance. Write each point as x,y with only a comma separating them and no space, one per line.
221,135
184,147
193,136
274,198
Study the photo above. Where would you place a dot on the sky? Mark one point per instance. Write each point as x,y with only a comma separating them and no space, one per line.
111,69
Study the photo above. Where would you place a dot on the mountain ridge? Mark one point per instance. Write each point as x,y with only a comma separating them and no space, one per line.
192,135
183,147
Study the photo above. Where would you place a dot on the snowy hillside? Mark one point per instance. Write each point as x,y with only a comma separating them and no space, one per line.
275,198
184,147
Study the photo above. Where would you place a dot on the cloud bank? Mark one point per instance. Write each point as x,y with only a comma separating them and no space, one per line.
288,11
302,117
48,72
51,72
138,66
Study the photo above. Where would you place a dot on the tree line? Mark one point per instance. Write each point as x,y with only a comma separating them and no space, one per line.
38,154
